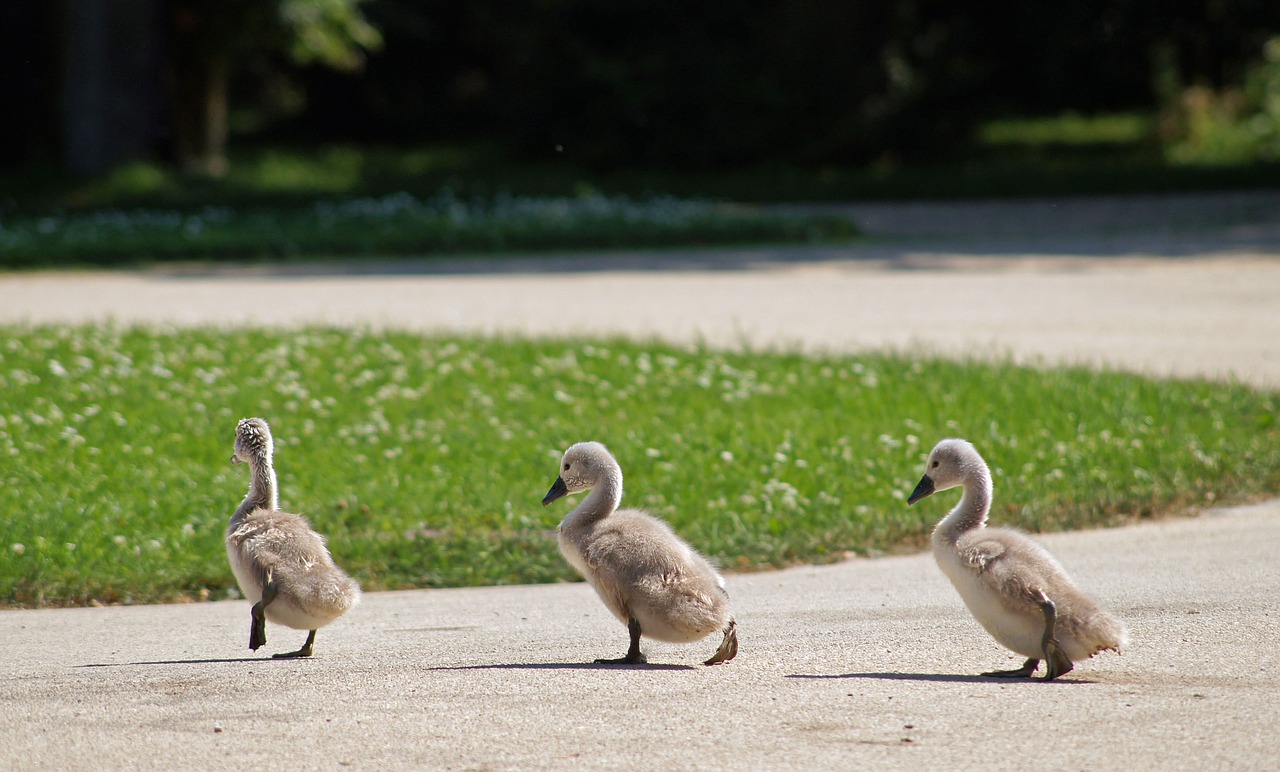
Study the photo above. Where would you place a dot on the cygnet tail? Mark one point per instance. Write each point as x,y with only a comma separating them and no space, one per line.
1106,633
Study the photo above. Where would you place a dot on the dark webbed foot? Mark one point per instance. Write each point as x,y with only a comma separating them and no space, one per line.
257,627
728,646
258,615
634,655
1056,660
638,659
305,651
1025,671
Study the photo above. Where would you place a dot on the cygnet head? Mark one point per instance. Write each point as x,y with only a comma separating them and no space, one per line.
951,463
583,466
253,441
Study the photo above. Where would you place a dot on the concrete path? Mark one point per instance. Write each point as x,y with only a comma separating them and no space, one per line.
870,662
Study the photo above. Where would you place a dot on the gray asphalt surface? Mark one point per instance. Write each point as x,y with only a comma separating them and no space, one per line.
869,662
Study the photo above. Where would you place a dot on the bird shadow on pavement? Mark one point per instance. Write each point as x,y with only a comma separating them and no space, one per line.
192,661
565,666
936,677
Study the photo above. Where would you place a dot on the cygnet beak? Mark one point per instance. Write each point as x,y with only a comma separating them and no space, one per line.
558,491
923,489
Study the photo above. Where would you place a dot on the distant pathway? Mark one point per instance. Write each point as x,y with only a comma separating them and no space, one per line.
1180,285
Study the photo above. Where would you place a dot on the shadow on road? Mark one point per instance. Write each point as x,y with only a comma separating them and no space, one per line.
565,666
190,661
937,677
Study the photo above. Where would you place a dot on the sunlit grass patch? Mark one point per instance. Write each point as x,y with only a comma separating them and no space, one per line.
1069,130
424,458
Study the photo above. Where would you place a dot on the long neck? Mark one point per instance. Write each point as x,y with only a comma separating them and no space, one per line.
262,489
974,505
601,502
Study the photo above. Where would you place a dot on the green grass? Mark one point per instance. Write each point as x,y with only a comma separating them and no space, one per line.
424,459
1070,130
1064,154
353,201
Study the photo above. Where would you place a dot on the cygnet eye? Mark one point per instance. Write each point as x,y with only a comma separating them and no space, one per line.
566,466
935,464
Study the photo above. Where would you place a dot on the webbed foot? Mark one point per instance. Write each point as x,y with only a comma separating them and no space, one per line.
1025,671
305,651
631,659
258,613
634,655
257,627
728,646
1056,661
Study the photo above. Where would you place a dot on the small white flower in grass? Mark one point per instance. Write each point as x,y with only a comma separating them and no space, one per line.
18,548
56,368
120,540
652,452
726,456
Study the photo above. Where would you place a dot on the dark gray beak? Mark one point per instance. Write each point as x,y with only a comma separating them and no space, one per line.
925,488
558,491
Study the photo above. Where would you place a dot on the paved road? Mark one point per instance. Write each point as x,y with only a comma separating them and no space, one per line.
869,662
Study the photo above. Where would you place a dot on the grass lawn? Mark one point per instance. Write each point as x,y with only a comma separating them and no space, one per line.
424,458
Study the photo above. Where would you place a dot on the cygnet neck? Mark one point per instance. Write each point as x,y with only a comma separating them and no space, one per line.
262,489
603,500
974,505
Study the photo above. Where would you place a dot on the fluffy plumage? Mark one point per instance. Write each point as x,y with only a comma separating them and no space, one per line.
649,577
279,561
1015,589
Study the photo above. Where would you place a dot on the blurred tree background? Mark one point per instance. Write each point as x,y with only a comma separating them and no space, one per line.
651,84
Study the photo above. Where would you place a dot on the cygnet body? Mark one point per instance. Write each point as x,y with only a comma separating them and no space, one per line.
649,577
279,561
1015,589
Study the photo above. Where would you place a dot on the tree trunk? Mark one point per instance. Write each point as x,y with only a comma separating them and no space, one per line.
200,99
110,81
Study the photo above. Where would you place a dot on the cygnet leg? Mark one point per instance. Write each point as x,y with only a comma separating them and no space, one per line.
258,617
634,655
305,651
1056,660
728,647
